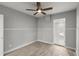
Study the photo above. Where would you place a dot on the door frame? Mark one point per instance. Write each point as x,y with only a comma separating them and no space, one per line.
2,38
64,30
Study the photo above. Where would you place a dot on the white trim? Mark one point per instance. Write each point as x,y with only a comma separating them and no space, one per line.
71,48
2,35
18,47
44,41
64,29
54,43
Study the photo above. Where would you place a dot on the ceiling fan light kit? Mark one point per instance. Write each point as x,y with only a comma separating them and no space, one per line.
40,9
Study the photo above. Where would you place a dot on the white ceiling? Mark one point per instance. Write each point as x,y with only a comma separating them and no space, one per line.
57,6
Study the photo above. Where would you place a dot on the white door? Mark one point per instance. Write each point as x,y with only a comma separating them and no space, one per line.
1,35
59,31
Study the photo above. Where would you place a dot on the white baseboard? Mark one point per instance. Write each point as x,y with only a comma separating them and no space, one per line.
54,43
45,41
71,48
19,47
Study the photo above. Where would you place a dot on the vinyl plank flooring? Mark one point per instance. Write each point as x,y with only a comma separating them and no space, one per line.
42,49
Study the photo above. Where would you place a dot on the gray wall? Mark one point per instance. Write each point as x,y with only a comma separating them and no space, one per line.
19,28
45,33
45,26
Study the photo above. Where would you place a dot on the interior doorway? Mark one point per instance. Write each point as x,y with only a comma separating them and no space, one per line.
59,31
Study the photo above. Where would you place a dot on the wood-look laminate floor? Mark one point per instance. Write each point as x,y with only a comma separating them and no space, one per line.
42,49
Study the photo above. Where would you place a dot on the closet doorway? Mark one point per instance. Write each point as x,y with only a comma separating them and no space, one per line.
59,31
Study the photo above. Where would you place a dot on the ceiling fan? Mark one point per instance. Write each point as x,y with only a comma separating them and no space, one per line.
39,9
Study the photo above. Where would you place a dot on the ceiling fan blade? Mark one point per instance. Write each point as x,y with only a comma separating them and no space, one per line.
43,13
35,13
45,9
30,9
38,5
